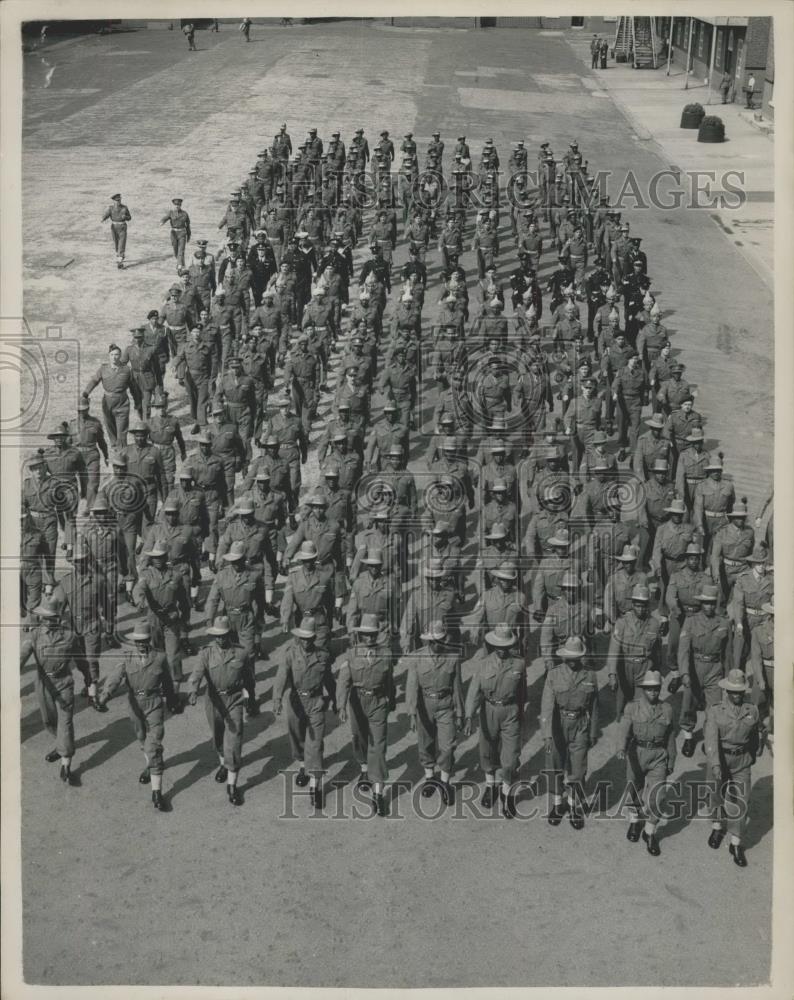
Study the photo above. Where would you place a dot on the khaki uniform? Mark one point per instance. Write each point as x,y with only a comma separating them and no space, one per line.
749,596
730,740
434,694
634,648
149,690
310,593
163,594
729,547
226,673
569,718
685,584
497,693
703,651
647,735
52,650
304,675
366,686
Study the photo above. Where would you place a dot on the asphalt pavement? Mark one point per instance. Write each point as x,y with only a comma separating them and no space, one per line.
117,893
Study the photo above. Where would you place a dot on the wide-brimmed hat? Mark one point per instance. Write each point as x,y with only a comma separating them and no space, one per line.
220,626
307,551
714,464
374,557
739,509
158,549
505,571
572,649
436,632
661,465
694,549
502,635
236,551
435,569
650,679
141,632
47,609
760,554
496,531
570,581
369,625
677,506
735,681
696,434
655,420
306,629
641,594
709,595
560,539
630,553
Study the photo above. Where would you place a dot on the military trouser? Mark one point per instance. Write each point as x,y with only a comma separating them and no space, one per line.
30,586
676,623
368,717
629,417
294,463
47,523
198,392
500,740
703,692
90,477
87,650
142,393
55,696
435,730
730,569
630,670
569,747
225,717
178,242
486,257
148,723
741,640
127,541
213,515
306,728
116,411
167,638
118,231
578,264
168,455
646,773
731,796
244,629
764,700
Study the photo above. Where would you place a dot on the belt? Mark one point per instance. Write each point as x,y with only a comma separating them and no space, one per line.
373,691
147,694
231,690
122,223
635,659
714,513
736,749
269,329
732,562
437,694
88,447
238,611
650,744
572,713
754,611
694,479
311,694
691,608
708,657
321,329
497,701
174,230
768,663
41,513
177,328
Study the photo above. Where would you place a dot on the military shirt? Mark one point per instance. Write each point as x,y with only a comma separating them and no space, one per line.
569,690
496,681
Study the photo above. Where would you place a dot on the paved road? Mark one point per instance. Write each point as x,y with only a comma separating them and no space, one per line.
210,896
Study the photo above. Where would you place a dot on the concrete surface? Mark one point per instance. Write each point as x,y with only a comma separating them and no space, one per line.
116,893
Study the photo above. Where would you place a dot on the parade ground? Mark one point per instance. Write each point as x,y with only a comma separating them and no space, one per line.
271,894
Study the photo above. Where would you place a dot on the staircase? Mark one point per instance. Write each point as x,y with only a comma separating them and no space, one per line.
635,42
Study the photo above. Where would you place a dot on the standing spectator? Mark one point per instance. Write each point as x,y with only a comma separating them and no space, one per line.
604,50
725,87
190,33
595,50
749,90
245,27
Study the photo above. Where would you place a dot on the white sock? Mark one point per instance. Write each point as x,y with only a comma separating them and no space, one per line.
557,799
363,768
716,826
735,840
312,782
376,787
92,689
490,779
220,758
506,787
268,597
232,779
650,828
157,782
300,765
445,776
193,593
66,761
429,772
634,816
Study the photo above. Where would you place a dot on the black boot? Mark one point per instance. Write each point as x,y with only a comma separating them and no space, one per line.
301,779
688,748
633,832
380,804
66,774
488,796
651,844
252,707
447,792
737,852
317,797
556,813
363,782
234,796
508,805
157,801
428,788
52,756
715,839
221,774
576,816
145,777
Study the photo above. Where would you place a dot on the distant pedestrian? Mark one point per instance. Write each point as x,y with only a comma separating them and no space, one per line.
749,90
604,51
119,216
725,87
245,27
595,50
190,33
215,26
180,230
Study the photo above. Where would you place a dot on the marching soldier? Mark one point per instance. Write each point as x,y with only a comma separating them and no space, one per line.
86,434
681,597
365,685
732,744
569,727
753,589
119,216
226,673
147,680
39,501
731,544
496,695
634,648
703,654
303,676
646,742
762,661
165,432
69,481
180,231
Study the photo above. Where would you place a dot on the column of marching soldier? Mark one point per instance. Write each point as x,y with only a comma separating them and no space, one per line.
538,518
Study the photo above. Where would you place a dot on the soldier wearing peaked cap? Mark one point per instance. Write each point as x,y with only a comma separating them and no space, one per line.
180,230
731,741
367,694
119,216
434,704
569,727
145,676
304,677
646,740
634,648
88,437
226,672
703,656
